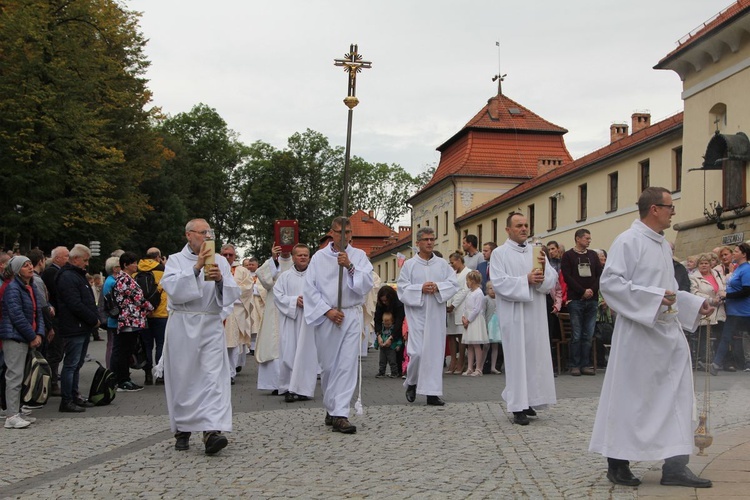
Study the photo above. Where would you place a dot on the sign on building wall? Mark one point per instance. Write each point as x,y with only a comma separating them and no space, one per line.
733,239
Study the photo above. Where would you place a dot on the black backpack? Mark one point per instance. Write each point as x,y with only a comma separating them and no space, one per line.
147,282
111,308
37,378
103,387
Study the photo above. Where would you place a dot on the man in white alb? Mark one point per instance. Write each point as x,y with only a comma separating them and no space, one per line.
195,359
267,344
520,295
288,296
337,331
647,401
425,284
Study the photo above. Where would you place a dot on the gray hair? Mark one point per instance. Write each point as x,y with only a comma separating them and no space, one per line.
111,263
228,245
56,251
191,224
80,251
424,230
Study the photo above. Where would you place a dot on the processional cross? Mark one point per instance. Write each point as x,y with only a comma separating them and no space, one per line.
352,64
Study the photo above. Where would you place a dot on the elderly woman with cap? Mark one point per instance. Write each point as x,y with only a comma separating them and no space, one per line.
21,328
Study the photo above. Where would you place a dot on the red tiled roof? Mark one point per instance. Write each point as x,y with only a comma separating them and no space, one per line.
712,25
667,125
504,139
367,232
405,239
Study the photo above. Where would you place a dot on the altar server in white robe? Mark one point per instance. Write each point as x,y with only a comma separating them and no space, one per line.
425,284
195,360
237,325
267,345
288,296
646,409
337,332
520,295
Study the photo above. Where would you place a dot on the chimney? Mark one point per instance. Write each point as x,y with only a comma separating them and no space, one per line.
546,164
641,121
617,131
371,214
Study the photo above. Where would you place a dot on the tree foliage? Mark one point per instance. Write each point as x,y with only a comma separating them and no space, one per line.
75,135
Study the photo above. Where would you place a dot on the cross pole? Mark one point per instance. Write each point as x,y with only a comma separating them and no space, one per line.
352,64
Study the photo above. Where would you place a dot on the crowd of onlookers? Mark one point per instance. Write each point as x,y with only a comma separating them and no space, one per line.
722,342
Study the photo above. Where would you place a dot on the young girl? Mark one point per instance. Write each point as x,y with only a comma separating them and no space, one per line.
475,329
493,328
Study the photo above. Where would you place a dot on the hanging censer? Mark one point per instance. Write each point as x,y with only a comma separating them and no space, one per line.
702,436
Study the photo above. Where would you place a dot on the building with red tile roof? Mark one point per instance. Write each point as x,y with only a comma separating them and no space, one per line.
503,145
367,232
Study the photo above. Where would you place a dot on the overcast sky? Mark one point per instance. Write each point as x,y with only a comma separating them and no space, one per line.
267,66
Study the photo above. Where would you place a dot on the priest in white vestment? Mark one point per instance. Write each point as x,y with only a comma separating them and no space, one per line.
237,325
288,297
646,409
425,284
520,295
195,361
337,332
267,344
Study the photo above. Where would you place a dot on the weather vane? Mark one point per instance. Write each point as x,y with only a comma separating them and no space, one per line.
352,64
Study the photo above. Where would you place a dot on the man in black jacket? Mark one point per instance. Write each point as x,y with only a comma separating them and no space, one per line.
53,347
76,318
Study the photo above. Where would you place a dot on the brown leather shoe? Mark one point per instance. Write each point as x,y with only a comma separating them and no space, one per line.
341,424
588,371
576,372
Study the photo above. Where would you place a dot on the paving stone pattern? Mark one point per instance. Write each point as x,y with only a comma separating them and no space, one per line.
467,449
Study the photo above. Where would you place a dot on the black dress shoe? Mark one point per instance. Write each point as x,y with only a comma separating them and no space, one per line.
275,392
182,442
530,412
238,369
83,403
215,442
411,393
329,419
520,418
302,398
289,397
621,475
685,477
71,407
435,401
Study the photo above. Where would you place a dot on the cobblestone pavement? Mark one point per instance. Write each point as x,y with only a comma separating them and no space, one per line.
467,449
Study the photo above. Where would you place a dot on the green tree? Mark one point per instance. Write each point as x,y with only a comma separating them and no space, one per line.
205,178
75,134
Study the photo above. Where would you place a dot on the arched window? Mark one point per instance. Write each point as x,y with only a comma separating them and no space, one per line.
717,118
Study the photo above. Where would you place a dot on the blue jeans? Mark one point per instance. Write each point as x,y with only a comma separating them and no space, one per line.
75,348
154,334
733,325
583,324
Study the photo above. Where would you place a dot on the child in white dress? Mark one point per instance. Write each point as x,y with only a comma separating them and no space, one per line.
475,328
493,328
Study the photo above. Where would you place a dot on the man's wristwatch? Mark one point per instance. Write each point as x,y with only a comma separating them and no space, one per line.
350,267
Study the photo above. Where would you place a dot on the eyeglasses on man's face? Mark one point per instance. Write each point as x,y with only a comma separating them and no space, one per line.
427,239
670,207
204,232
227,254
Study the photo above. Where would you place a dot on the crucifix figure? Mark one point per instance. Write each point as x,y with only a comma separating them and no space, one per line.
353,64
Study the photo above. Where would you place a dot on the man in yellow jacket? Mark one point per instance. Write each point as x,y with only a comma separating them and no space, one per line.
153,336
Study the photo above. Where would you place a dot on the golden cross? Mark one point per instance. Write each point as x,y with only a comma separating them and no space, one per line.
353,64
